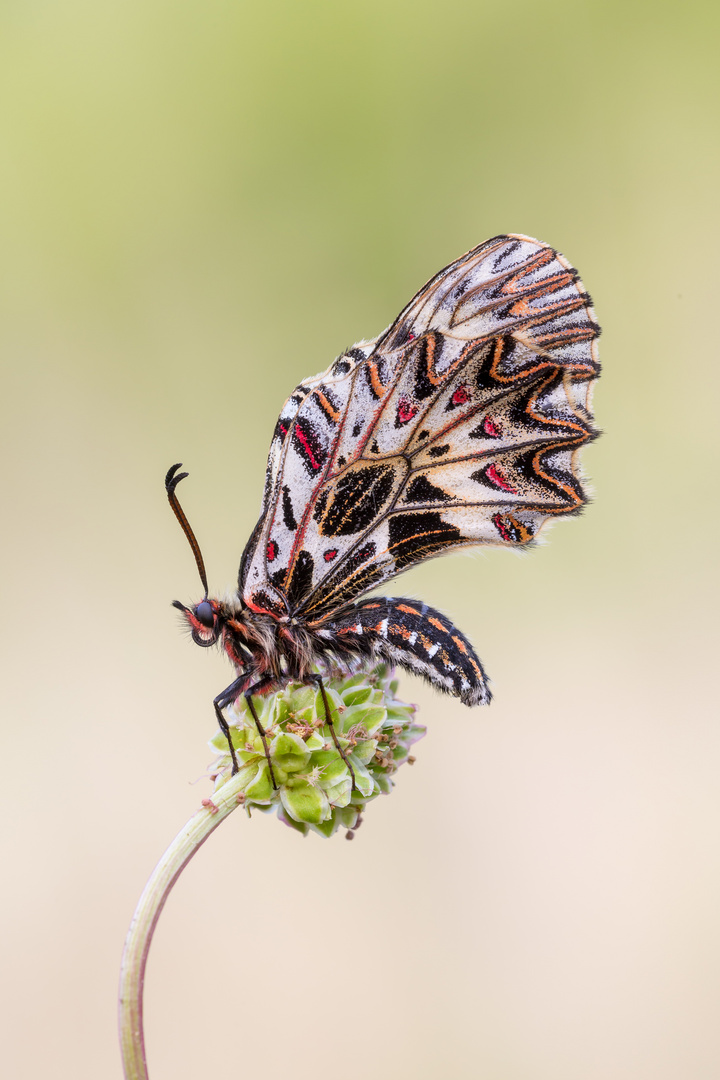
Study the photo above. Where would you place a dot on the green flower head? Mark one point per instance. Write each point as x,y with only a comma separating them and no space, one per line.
314,784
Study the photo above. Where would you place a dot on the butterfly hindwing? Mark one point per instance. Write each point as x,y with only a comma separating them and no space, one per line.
460,424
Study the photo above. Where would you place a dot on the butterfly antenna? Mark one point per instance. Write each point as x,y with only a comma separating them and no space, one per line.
172,480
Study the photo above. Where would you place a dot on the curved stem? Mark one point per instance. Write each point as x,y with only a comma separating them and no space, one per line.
147,913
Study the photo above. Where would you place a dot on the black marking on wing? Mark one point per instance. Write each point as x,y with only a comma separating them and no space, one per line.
288,515
300,581
420,490
356,574
425,354
355,502
416,536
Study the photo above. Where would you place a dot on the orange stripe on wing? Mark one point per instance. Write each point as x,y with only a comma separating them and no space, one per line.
375,380
327,407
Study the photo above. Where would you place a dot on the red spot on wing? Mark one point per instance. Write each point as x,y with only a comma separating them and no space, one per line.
490,428
272,550
499,523
496,477
406,411
328,556
302,438
511,529
461,395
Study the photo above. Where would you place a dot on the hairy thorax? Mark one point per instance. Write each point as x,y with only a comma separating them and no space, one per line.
280,647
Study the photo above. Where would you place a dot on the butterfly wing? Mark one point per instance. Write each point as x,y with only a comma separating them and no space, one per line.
461,424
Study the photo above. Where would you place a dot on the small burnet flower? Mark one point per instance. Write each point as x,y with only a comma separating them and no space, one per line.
314,785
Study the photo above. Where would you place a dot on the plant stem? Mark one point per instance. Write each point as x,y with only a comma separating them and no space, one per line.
147,913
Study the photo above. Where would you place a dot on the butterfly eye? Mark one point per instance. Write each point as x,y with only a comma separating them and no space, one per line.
205,614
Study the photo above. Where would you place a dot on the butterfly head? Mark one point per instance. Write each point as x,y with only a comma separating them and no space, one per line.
204,621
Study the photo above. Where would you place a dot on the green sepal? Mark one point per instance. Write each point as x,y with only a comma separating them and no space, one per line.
260,788
281,709
305,802
299,826
290,752
359,679
370,718
384,782
358,695
315,741
365,751
347,817
219,742
325,828
302,704
339,794
363,779
337,706
248,755
331,765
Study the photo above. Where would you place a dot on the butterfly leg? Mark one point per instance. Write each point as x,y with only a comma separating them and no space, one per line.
224,698
261,685
317,679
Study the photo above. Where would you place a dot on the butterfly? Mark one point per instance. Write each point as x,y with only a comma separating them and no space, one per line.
460,425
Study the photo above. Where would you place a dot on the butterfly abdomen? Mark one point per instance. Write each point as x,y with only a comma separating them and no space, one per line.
414,636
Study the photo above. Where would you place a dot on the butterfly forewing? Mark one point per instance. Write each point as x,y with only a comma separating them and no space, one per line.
461,424
509,283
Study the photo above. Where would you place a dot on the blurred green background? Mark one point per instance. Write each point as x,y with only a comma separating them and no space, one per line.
200,204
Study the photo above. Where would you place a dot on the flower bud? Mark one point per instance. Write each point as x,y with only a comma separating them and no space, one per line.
314,782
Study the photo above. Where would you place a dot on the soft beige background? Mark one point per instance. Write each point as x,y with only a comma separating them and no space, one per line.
203,202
